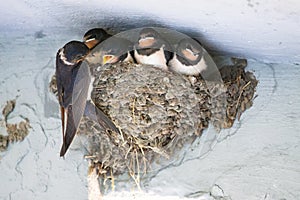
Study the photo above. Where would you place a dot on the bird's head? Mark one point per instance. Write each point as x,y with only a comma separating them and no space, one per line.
95,36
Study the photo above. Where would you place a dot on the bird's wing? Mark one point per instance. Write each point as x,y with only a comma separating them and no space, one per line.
77,107
168,51
80,91
95,114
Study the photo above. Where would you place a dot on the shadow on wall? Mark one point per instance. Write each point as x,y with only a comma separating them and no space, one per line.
115,23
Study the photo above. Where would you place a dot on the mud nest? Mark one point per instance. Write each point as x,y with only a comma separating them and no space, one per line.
225,102
15,132
157,112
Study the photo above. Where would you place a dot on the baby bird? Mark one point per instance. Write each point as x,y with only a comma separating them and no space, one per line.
115,50
95,36
152,49
188,58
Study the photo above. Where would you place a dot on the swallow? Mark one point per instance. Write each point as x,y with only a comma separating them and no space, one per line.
188,58
74,82
152,49
115,50
95,36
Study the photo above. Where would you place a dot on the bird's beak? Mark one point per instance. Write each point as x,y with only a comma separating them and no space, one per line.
189,54
90,42
107,59
146,42
82,58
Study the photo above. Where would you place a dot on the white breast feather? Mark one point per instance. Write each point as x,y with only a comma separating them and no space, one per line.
157,59
178,67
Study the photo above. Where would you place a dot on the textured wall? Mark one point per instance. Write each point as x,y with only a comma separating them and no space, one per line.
267,30
256,159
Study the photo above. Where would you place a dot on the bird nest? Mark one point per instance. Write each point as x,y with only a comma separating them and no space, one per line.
158,112
150,106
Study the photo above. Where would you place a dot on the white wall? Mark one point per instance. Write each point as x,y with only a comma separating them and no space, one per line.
268,30
256,159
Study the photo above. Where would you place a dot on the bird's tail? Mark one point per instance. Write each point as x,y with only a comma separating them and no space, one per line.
70,132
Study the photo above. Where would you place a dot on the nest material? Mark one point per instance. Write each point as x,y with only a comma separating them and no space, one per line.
150,106
158,112
15,132
53,86
240,89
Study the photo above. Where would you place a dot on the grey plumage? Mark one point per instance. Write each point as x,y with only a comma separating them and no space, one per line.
74,82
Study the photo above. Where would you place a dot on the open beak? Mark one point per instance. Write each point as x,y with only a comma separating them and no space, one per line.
90,43
146,42
107,59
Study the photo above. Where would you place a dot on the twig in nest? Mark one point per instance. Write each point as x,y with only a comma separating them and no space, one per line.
105,178
134,165
128,152
140,147
159,151
155,149
122,136
112,178
133,110
243,88
90,156
137,165
144,160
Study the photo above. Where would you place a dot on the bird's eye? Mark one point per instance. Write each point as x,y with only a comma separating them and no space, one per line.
89,37
79,57
189,47
190,51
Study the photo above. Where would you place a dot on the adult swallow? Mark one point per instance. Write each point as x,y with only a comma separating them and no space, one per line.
115,50
74,82
188,58
95,36
152,49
